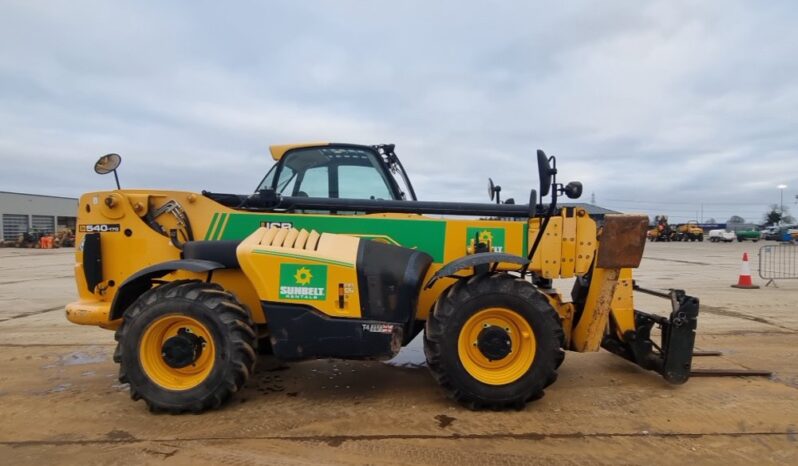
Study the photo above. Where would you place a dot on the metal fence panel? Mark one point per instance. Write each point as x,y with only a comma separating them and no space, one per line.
778,262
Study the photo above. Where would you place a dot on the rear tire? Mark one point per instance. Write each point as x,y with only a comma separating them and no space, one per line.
508,381
211,320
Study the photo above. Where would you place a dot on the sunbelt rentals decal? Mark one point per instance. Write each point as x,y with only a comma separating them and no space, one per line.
491,236
303,282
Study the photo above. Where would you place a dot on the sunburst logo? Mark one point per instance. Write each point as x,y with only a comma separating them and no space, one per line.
303,276
489,236
485,237
303,282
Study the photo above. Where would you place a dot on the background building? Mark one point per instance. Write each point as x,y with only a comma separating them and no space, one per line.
595,212
28,212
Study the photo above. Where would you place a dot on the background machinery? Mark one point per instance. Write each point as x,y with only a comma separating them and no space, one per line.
334,257
662,231
689,231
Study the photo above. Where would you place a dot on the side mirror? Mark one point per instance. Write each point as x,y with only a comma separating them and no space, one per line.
494,191
573,190
544,172
107,164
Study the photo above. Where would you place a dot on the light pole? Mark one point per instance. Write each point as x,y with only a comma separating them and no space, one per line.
781,187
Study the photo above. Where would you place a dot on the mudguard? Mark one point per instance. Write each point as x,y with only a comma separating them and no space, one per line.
141,281
481,258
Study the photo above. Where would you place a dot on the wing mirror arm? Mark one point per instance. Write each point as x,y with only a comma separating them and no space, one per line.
108,163
547,171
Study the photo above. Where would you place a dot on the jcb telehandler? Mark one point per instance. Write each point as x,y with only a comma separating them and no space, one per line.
334,257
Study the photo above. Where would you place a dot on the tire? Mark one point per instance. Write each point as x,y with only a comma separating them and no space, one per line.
211,320
514,299
701,238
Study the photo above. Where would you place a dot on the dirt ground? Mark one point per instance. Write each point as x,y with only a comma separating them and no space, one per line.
60,401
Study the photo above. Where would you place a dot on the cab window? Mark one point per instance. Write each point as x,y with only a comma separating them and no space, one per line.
286,181
356,182
332,172
315,183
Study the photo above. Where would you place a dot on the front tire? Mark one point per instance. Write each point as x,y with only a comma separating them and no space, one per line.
185,346
493,341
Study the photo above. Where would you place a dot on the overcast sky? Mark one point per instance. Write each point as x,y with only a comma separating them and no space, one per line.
657,107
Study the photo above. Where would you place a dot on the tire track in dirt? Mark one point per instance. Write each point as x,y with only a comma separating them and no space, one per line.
32,313
740,315
675,260
114,437
56,345
35,280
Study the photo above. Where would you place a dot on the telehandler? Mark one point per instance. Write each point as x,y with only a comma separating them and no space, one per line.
333,256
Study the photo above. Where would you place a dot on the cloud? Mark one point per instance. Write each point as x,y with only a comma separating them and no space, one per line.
662,107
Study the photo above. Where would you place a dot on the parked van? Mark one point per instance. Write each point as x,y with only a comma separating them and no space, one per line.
717,236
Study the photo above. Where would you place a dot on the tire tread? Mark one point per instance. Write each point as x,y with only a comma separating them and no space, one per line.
231,313
458,295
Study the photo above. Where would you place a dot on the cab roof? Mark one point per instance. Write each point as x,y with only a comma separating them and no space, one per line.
279,150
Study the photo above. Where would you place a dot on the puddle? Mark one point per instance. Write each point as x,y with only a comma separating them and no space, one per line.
412,355
444,421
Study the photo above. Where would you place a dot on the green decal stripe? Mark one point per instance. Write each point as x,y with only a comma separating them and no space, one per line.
525,234
307,258
218,228
222,226
426,235
210,227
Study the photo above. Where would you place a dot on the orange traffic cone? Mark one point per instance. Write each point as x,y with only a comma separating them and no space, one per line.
745,275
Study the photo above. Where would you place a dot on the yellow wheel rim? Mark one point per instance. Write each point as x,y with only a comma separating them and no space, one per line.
151,356
507,369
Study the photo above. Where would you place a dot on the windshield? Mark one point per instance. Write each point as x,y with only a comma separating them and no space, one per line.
268,180
331,172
